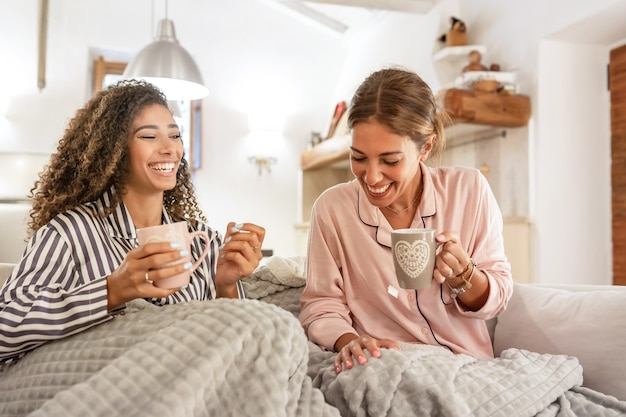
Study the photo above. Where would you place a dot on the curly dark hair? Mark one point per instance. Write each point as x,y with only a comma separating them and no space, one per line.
92,156
402,101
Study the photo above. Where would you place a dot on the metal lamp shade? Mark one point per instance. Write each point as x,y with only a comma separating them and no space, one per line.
168,66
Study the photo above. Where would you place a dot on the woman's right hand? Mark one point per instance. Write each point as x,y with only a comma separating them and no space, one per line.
135,276
355,349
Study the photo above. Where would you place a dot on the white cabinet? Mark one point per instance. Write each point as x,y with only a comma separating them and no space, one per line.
516,234
322,166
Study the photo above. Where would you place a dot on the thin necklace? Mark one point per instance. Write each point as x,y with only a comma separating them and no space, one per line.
404,210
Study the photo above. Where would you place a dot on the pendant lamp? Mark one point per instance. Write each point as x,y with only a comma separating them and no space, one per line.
168,66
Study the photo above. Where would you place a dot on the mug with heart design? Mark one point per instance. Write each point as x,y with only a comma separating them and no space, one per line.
174,232
413,253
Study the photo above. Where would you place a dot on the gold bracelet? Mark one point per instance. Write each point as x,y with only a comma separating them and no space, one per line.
467,282
462,274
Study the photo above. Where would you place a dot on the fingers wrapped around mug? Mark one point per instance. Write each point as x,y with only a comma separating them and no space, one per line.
142,268
451,259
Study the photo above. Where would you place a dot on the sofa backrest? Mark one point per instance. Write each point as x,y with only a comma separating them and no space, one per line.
584,321
5,271
13,223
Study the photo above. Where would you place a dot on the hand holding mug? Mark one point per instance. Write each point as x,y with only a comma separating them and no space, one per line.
128,281
177,234
451,259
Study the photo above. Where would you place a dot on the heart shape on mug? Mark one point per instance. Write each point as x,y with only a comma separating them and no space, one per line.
412,257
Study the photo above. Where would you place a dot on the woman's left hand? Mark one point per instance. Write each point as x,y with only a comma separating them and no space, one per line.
239,256
352,353
452,259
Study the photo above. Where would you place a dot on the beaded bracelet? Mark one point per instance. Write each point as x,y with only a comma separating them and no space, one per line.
467,282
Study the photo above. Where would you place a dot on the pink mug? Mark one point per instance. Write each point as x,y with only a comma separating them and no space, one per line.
174,232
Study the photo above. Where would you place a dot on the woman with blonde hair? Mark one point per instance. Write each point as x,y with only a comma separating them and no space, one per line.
352,303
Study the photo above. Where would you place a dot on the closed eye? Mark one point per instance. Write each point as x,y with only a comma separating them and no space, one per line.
392,163
389,163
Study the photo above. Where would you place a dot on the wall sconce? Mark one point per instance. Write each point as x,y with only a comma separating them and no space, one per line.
263,163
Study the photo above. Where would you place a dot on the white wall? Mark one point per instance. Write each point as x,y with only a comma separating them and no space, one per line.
564,155
255,55
561,48
254,51
573,160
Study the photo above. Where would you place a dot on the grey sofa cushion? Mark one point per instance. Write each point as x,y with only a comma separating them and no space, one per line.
588,322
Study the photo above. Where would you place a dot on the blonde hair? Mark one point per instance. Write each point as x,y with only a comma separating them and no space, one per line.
402,101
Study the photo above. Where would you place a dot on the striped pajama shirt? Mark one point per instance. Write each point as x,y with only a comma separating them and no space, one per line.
59,287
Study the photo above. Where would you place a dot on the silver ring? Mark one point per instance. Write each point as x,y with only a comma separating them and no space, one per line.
148,280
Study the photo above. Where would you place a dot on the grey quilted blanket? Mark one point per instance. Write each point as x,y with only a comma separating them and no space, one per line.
431,381
217,358
251,358
424,380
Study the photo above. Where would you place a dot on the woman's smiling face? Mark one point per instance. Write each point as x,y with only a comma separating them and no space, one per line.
386,164
155,149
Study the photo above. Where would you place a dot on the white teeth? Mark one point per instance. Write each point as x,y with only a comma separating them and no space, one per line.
165,167
378,190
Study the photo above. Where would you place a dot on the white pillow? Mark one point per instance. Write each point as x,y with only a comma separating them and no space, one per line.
588,325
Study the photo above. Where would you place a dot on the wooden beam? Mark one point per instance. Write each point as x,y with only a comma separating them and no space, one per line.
409,6
299,7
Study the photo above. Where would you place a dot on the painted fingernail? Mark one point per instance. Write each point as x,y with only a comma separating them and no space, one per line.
221,247
228,239
174,245
184,287
236,227
188,265
184,252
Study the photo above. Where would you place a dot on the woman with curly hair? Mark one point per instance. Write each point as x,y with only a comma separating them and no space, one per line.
118,167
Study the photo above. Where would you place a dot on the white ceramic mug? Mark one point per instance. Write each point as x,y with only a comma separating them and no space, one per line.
174,232
414,257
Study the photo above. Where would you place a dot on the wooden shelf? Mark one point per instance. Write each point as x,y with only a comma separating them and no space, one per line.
470,107
466,79
458,52
492,109
332,151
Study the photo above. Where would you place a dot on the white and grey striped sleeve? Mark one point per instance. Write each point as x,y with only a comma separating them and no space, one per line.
46,299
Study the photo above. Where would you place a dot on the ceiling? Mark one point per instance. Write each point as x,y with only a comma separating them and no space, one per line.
340,15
